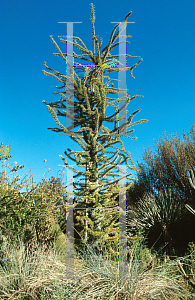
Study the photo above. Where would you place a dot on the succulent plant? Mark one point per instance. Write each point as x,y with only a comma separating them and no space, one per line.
163,208
160,216
190,209
192,183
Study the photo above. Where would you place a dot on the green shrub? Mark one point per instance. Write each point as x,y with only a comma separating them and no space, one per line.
164,220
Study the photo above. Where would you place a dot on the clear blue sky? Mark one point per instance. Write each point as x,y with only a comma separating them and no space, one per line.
163,35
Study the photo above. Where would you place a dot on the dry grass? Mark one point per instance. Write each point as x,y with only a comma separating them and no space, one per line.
41,274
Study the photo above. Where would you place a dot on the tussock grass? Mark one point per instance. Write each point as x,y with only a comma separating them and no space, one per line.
41,274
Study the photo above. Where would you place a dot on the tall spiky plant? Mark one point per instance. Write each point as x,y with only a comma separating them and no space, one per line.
89,113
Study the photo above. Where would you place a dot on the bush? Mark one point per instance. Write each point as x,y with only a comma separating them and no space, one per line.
165,221
167,168
31,215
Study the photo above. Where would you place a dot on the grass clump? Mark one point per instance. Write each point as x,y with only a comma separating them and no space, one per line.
41,274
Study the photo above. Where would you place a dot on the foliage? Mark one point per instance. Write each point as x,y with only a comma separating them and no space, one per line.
20,217
192,183
42,275
4,154
30,215
135,193
189,265
89,113
166,170
165,221
168,167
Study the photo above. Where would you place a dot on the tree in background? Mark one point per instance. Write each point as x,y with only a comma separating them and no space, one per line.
89,113
4,156
169,168
56,187
5,180
4,153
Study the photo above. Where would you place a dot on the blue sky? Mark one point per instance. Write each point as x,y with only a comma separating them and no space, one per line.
163,35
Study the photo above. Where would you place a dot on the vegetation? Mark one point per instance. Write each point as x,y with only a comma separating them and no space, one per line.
41,274
33,240
33,263
163,193
98,192
167,168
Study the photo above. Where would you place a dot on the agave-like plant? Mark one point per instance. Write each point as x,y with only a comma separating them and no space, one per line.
158,215
192,183
163,208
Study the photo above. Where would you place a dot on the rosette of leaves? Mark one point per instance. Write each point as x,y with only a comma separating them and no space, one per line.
162,217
